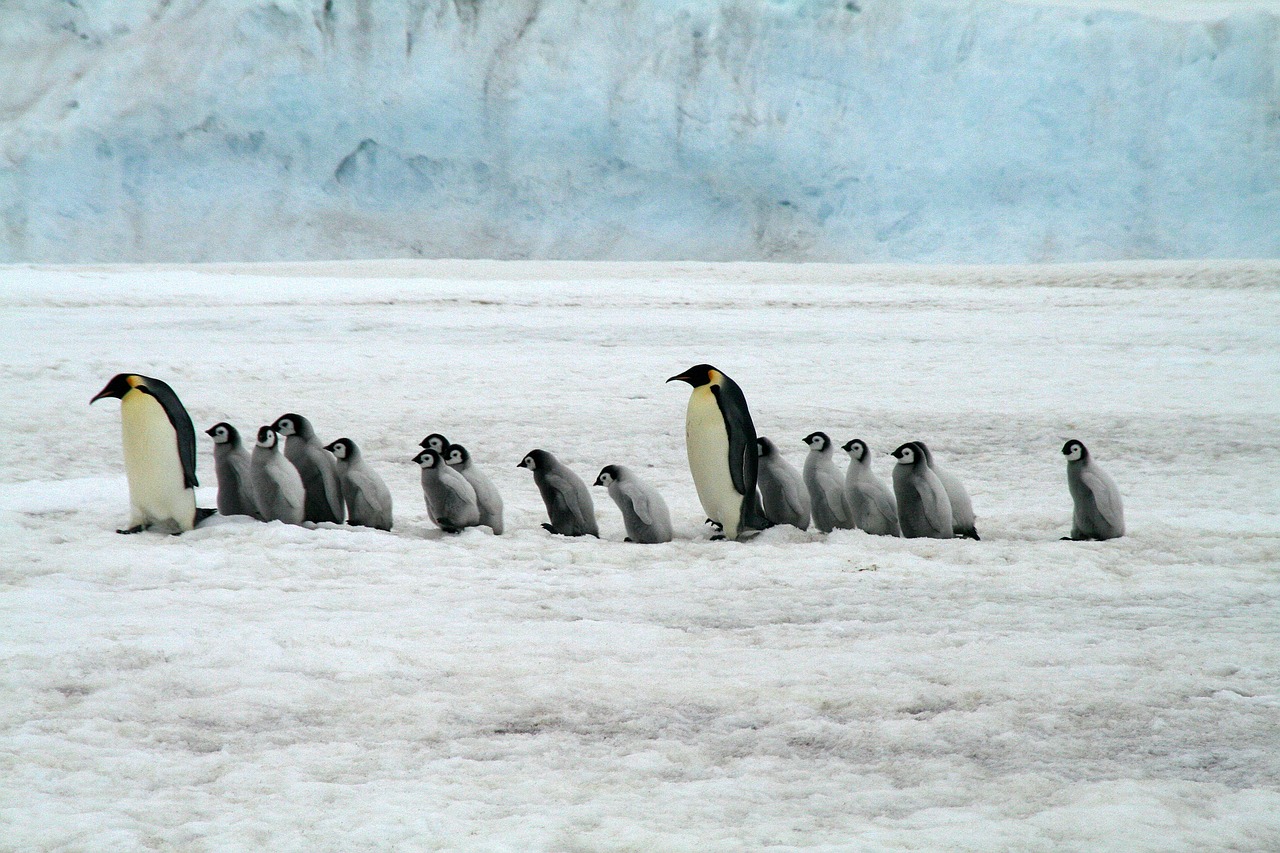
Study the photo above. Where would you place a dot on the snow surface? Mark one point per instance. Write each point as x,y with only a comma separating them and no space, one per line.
250,686
875,130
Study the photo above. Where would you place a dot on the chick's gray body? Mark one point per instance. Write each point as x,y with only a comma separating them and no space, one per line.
923,508
488,499
367,498
232,464
783,493
277,486
825,485
316,466
451,500
644,513
1098,512
568,501
871,504
962,518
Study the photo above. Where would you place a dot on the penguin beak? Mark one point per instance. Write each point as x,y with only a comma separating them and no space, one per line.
208,432
599,481
683,377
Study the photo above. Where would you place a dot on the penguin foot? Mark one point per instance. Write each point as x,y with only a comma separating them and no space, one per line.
719,537
550,528
970,534
627,539
203,512
137,528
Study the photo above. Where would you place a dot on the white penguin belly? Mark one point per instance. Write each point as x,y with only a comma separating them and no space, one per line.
157,487
708,444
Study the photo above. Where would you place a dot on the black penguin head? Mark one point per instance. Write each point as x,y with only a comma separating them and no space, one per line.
224,433
293,424
536,460
436,442
267,436
856,448
457,455
608,474
121,384
764,447
908,454
1075,451
698,375
343,448
819,441
429,458
923,450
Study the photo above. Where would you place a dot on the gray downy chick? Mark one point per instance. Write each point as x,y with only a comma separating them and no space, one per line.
923,508
365,493
782,489
231,462
566,497
871,503
825,485
962,517
644,513
487,497
318,468
1098,512
277,486
451,501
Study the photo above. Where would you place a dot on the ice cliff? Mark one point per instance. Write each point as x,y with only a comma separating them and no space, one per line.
866,130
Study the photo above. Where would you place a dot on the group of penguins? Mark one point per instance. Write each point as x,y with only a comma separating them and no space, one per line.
742,481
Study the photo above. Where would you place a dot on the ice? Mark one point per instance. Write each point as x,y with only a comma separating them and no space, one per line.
876,130
249,686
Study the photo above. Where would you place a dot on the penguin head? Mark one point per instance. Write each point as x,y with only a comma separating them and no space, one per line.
818,441
293,424
698,375
343,448
1075,451
429,458
535,460
457,455
267,436
923,450
907,454
121,384
764,447
223,433
609,474
856,448
436,442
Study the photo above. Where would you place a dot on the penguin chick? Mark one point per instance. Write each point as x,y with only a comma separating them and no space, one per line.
720,439
451,500
488,499
644,513
825,485
567,499
783,494
871,504
366,495
277,486
1098,512
159,444
316,465
231,463
923,508
962,518
436,442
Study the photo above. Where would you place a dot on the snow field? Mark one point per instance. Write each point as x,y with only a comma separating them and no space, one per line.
247,685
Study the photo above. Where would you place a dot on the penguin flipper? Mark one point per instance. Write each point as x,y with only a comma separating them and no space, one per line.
561,488
744,460
203,512
1105,497
639,501
182,426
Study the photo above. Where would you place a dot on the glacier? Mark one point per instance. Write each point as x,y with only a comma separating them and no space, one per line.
791,130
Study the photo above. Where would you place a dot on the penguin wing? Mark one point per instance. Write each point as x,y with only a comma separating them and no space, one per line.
361,494
182,426
1105,496
793,495
743,459
833,492
934,502
640,501
879,502
564,498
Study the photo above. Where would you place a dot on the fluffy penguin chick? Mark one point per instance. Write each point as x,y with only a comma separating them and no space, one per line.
318,468
451,501
277,485
644,512
366,495
825,485
1098,512
782,490
871,504
923,507
231,463
962,518
159,445
567,499
487,497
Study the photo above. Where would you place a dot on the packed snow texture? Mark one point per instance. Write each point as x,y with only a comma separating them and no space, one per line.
253,686
869,130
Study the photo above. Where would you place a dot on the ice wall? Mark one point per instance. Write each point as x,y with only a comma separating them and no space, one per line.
865,130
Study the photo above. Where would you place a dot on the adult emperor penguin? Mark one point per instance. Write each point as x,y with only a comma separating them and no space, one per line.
784,496
365,493
159,454
317,466
231,463
277,485
1098,512
825,485
644,513
567,498
870,501
962,518
451,500
923,507
721,442
487,497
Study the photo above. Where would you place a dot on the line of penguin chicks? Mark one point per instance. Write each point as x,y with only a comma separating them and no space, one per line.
311,481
